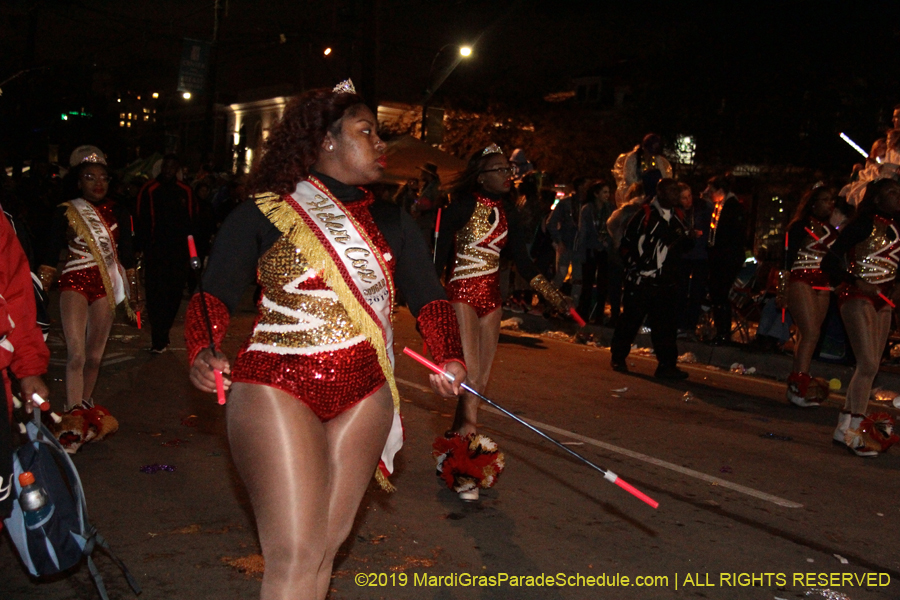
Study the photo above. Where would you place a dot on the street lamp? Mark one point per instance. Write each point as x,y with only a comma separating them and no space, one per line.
434,84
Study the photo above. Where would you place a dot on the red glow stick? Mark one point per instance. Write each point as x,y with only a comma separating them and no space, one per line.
220,386
137,315
608,475
810,232
574,313
192,247
437,223
821,287
886,299
782,315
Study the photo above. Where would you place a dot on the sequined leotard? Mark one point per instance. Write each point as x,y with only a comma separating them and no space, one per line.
872,247
80,272
476,230
806,250
303,341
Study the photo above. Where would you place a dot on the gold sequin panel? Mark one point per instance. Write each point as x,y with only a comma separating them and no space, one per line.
478,244
298,313
875,258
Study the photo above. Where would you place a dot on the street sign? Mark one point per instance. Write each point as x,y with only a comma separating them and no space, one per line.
194,66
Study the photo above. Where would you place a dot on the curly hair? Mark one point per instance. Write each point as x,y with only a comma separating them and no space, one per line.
467,181
293,145
808,201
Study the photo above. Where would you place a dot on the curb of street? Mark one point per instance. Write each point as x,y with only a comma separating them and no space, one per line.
770,365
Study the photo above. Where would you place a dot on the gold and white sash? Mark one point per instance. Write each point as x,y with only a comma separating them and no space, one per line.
339,249
88,224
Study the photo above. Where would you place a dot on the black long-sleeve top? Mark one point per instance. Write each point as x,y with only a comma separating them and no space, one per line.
246,235
60,232
455,216
836,262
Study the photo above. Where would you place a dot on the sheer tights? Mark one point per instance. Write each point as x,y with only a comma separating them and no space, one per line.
808,308
479,341
86,329
868,331
305,479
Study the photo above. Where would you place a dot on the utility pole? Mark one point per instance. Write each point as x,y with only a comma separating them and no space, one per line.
209,126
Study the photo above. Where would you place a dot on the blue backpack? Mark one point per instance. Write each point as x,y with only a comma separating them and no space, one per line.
66,537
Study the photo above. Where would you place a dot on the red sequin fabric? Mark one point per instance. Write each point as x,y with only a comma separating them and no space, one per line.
86,282
475,273
196,335
304,342
438,326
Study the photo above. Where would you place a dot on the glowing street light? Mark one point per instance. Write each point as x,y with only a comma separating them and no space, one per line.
186,95
464,52
327,51
156,94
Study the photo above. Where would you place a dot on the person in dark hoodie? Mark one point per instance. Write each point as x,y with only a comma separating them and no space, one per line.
651,249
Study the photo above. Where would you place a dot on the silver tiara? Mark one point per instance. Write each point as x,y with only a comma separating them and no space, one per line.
492,149
344,87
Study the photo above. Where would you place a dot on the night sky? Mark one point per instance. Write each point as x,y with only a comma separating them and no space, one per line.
754,82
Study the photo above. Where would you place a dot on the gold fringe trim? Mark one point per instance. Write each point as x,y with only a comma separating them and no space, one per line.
384,482
87,235
292,226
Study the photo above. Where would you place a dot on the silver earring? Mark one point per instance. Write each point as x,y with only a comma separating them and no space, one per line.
330,147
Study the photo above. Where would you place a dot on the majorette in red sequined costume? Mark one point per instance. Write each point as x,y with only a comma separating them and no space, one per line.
870,247
475,272
80,272
303,341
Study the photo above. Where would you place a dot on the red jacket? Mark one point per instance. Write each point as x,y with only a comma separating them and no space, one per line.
22,347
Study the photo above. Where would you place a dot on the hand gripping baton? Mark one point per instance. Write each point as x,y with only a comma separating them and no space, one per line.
607,474
195,265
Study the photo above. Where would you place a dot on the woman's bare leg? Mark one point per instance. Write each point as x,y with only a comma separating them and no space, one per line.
479,340
808,308
305,479
868,332
99,322
73,308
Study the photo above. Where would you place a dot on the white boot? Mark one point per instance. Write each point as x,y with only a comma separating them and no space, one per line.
842,426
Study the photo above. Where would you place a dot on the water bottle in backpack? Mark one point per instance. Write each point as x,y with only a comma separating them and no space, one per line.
36,505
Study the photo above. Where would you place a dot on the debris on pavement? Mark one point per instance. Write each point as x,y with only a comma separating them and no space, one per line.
688,396
252,565
688,358
826,594
841,559
511,323
620,390
775,436
156,468
726,469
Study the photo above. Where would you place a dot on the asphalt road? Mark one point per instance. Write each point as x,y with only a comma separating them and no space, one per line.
755,502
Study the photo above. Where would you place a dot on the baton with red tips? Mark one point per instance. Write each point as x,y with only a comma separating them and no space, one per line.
437,229
195,265
607,474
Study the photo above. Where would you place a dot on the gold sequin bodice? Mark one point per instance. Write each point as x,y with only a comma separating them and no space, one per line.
479,242
875,258
298,312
